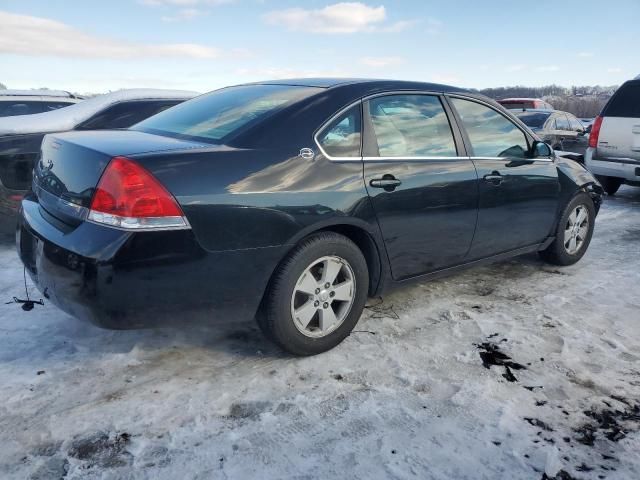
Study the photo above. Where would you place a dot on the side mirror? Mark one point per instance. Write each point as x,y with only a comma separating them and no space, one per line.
541,149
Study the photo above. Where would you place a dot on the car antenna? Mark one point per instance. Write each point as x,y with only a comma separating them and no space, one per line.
28,304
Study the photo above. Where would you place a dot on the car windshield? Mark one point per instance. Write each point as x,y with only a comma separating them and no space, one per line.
225,112
533,119
625,102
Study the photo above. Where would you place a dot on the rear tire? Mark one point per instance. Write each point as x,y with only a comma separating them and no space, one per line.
610,184
573,233
316,296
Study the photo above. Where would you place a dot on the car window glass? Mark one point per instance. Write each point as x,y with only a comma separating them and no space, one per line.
533,119
126,114
575,124
625,102
225,113
13,108
49,106
562,123
341,138
490,133
411,126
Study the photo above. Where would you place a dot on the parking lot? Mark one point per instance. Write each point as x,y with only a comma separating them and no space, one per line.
405,396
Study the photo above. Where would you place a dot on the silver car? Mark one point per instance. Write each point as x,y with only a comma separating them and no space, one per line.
614,145
28,102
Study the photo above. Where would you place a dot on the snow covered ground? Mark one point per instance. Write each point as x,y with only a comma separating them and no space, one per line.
405,396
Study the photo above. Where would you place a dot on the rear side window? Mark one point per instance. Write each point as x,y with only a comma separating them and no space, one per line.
411,126
225,112
562,123
13,108
490,133
625,102
126,114
341,138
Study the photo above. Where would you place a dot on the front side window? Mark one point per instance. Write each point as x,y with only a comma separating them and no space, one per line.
576,125
341,138
411,126
224,113
490,133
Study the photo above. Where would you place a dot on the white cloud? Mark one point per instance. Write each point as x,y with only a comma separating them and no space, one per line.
345,17
614,70
515,68
585,54
184,14
381,62
547,68
35,36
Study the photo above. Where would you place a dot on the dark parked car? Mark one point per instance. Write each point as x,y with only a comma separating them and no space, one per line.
21,136
561,130
293,201
28,102
520,103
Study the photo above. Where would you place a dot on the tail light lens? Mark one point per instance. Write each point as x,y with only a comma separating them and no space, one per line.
129,197
595,132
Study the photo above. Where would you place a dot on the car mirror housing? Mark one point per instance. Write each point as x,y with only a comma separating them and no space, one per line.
541,149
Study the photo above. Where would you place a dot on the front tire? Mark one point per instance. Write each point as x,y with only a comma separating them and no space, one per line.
316,296
573,233
610,184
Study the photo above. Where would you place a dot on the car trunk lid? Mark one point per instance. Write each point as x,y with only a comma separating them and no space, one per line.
71,164
619,136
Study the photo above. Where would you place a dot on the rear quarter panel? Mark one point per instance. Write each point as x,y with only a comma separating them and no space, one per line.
243,199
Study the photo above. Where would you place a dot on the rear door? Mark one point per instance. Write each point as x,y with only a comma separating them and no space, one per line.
422,185
518,195
620,131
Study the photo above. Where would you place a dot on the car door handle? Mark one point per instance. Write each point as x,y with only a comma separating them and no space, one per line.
388,182
494,178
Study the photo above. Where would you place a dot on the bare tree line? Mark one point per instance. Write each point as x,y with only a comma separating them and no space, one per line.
582,101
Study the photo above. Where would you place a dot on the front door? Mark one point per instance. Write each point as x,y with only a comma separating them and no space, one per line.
518,194
423,189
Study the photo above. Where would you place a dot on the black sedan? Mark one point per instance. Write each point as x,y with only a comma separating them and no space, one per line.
293,202
561,130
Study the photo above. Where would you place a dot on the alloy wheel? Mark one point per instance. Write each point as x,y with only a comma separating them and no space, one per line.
323,296
576,229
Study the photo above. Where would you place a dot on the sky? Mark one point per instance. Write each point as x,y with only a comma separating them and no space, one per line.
96,46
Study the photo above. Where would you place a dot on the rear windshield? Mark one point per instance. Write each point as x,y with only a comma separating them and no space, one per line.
224,113
533,119
516,105
625,102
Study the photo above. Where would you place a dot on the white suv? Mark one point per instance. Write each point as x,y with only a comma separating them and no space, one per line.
614,144
27,102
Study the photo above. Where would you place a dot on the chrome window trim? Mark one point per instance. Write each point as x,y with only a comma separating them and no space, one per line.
537,159
361,101
327,123
395,159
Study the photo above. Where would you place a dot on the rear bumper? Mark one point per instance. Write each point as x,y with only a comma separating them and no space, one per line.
627,169
117,279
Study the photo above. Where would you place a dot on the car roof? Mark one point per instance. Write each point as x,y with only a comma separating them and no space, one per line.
363,84
36,93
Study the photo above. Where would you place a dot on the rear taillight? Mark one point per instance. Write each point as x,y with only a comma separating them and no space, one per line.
595,132
129,197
